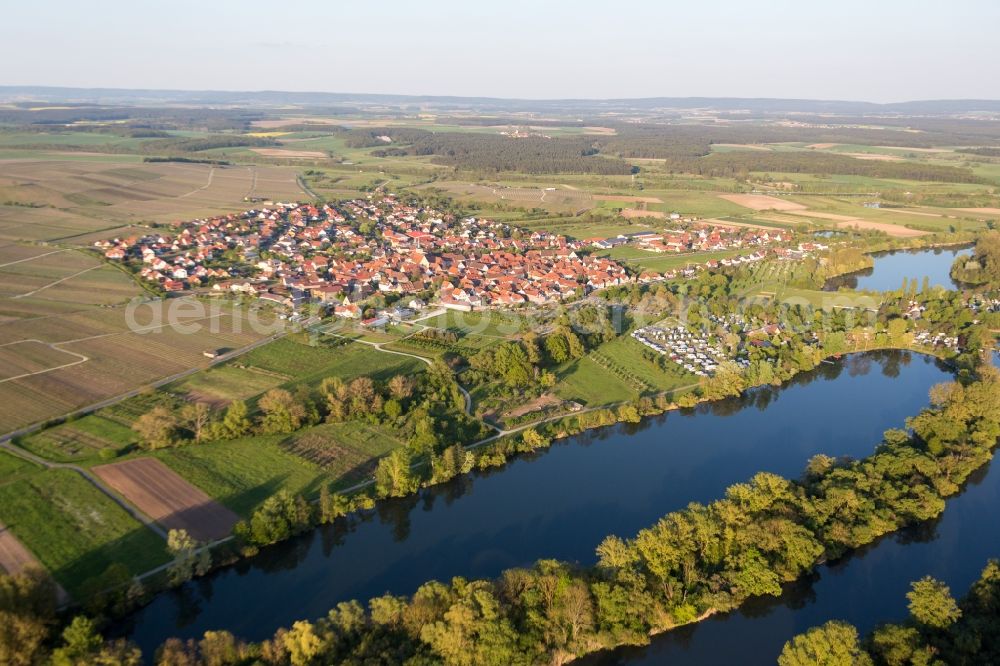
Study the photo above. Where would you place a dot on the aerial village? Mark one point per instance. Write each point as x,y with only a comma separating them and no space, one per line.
340,255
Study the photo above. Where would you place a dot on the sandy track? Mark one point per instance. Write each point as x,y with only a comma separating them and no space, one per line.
624,198
14,557
986,211
746,146
635,212
168,499
762,202
825,216
905,211
890,229
291,154
878,157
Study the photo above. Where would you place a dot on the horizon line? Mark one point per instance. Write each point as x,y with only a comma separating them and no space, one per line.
266,91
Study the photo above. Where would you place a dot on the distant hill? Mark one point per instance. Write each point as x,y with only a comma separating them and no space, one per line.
267,98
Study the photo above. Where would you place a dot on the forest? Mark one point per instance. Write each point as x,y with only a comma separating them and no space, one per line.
684,149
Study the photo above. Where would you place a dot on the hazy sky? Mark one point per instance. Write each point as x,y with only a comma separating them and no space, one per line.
876,50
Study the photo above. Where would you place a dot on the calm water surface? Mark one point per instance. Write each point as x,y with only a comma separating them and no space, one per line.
865,588
558,504
892,268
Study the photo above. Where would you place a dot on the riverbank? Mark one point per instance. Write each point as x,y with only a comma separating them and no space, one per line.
850,276
496,451
559,502
905,485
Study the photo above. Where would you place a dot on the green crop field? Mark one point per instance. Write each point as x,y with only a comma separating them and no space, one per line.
228,382
347,452
80,439
587,382
660,262
73,529
243,473
630,355
303,363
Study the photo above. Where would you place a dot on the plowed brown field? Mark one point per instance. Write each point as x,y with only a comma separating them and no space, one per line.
168,499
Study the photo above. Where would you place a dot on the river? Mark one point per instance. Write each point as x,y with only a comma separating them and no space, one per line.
866,587
559,503
892,268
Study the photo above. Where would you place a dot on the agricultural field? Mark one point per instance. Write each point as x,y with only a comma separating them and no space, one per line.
644,260
72,528
70,200
554,199
631,360
303,363
79,439
240,474
65,338
587,382
222,384
618,371
347,452
168,499
104,357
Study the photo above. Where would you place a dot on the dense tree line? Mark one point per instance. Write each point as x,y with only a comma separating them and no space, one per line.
198,144
368,138
983,267
422,408
534,155
740,163
494,152
938,631
702,559
982,152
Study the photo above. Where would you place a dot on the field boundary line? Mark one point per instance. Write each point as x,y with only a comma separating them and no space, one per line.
37,256
107,402
211,174
51,345
52,284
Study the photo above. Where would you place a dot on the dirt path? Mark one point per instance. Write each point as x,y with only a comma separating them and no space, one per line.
37,256
80,359
211,174
52,284
300,181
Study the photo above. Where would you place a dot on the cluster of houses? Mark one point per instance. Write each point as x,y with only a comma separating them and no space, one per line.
699,237
343,254
693,352
936,340
979,303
